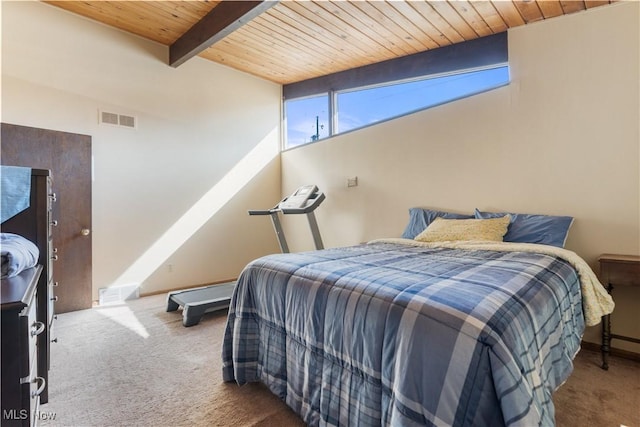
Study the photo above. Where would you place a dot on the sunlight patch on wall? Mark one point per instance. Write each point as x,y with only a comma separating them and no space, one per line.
203,210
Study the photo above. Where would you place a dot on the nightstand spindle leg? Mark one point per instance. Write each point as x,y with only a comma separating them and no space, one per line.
606,336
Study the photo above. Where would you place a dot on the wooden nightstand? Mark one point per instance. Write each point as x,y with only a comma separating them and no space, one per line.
618,270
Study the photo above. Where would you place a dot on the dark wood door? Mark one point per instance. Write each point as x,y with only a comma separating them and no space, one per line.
68,156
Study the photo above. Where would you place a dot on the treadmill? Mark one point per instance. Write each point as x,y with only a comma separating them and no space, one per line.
195,302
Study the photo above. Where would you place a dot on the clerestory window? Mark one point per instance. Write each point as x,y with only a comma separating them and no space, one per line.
319,108
357,108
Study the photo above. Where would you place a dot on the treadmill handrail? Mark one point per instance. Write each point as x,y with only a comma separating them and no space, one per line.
311,204
259,212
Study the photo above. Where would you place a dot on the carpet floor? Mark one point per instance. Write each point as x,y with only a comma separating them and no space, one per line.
136,365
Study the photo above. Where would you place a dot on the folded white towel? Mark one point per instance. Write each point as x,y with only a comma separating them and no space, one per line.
18,254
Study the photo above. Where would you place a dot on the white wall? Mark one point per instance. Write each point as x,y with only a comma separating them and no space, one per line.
195,123
563,138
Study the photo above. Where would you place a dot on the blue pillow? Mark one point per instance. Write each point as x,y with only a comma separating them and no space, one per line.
531,228
419,219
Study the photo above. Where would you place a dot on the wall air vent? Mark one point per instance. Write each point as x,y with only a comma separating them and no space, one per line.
115,119
128,121
108,118
118,294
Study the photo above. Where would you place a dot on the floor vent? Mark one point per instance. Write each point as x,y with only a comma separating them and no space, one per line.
118,294
116,119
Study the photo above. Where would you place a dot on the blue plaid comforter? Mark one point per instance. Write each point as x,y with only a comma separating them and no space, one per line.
387,334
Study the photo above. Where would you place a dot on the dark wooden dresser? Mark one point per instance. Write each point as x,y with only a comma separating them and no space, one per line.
28,311
22,384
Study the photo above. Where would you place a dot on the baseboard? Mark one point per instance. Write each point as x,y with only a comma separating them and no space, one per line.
625,354
165,291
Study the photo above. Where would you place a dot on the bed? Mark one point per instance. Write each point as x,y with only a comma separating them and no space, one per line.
408,332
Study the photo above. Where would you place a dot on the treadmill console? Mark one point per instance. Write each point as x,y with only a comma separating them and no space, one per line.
305,199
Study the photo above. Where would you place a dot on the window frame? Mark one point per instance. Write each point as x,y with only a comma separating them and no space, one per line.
415,110
474,55
285,119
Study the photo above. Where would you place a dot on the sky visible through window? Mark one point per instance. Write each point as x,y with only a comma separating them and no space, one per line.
308,118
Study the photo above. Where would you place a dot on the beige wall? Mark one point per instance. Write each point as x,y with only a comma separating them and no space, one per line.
195,124
562,138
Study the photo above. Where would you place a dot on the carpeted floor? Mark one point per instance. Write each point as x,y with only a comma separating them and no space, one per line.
136,365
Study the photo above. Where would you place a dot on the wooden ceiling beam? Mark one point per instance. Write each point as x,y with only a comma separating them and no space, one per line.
221,21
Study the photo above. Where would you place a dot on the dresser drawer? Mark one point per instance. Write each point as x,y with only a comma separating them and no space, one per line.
53,256
30,329
51,301
53,337
32,388
620,273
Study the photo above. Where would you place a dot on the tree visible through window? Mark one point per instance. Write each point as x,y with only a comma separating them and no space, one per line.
312,118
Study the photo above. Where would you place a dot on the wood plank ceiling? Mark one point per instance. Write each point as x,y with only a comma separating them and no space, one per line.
297,40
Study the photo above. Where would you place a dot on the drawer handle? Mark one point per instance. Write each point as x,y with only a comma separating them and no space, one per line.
54,257
54,222
53,197
43,384
54,340
37,328
55,283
